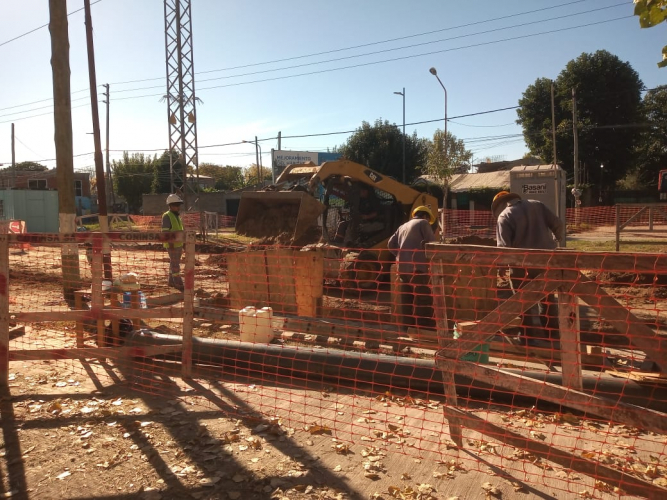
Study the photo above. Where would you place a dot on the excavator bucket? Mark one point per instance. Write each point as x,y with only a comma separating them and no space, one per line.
287,215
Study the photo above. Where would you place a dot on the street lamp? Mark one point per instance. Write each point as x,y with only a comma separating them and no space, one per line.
601,174
444,199
435,73
258,156
403,95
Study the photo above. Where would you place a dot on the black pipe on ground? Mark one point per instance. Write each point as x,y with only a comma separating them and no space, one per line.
244,359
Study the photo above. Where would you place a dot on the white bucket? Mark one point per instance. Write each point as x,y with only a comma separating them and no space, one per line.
255,325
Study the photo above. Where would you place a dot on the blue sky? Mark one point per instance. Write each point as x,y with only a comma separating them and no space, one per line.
129,45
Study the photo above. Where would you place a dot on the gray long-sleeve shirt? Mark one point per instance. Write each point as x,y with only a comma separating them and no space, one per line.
528,224
407,244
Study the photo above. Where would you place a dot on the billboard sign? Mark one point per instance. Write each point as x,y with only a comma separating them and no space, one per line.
280,159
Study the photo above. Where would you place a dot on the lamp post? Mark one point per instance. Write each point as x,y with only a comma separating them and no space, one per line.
601,174
403,95
444,199
258,156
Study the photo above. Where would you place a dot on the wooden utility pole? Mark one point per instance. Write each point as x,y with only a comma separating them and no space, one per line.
576,191
553,123
62,115
13,158
110,191
99,165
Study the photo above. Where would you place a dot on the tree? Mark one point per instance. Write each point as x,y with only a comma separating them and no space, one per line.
162,177
608,106
380,147
30,166
446,157
652,148
651,13
227,178
133,177
250,175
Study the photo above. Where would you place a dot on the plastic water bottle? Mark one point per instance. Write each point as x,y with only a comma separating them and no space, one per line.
456,334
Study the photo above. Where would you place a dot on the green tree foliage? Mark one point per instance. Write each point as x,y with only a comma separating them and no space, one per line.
446,157
27,166
651,13
608,107
227,178
652,148
380,147
133,177
250,175
162,177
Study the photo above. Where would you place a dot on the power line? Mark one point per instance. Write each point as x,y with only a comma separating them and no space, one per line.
43,25
366,54
383,61
332,51
344,49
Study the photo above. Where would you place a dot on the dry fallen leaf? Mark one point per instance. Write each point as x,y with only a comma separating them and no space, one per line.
318,429
491,489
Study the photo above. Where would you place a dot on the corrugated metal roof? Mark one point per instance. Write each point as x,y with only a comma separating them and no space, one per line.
460,183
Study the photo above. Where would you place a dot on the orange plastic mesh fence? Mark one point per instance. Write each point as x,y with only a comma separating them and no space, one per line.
589,221
546,365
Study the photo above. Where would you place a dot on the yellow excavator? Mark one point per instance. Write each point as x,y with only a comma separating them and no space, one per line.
345,209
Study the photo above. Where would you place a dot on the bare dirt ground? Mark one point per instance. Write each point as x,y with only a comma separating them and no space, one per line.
84,430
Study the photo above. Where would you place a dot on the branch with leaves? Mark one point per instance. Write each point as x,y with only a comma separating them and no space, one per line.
651,13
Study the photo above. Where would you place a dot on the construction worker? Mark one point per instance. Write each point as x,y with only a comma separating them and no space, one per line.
171,221
529,224
407,244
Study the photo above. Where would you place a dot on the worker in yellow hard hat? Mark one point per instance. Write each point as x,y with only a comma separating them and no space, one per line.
407,244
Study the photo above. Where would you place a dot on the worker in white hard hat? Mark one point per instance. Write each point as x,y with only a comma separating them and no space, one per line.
171,221
407,244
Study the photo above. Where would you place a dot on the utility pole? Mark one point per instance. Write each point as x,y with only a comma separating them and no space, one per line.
575,190
109,180
99,166
62,116
13,157
279,140
259,174
553,123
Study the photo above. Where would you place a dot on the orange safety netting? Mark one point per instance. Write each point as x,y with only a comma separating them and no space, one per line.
545,365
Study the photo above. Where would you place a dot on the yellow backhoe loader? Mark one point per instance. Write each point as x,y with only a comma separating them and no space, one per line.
345,209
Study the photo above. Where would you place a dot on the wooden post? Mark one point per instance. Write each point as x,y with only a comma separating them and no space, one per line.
618,226
447,367
568,318
62,115
650,218
97,300
188,302
4,310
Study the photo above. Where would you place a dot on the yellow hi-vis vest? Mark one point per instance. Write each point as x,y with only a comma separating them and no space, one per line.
176,225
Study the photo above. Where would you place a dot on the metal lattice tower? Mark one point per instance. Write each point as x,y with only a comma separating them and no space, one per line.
181,100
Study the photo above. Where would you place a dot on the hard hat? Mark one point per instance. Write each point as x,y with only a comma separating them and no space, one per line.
498,200
424,209
173,198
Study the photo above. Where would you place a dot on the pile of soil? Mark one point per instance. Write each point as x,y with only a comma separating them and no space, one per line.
274,222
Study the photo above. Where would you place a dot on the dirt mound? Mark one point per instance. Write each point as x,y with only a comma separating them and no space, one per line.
472,240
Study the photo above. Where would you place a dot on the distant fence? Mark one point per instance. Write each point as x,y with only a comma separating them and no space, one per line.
599,220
